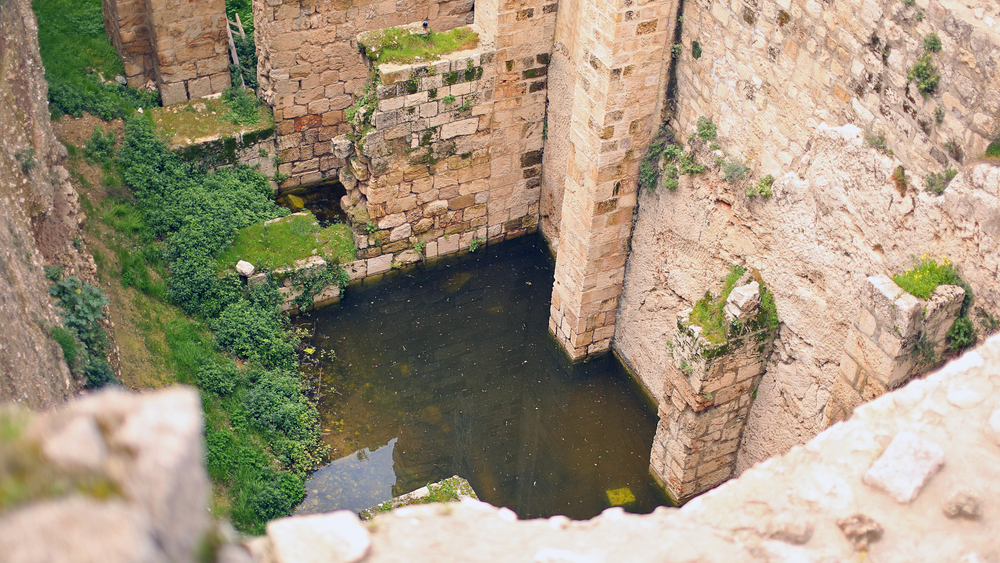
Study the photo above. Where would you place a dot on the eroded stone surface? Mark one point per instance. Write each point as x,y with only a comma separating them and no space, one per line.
905,466
337,537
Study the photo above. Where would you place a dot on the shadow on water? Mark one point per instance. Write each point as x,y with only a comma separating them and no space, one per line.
451,371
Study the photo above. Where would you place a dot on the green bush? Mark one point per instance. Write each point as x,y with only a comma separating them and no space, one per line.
761,188
82,307
220,378
961,335
708,311
101,146
921,280
706,129
932,43
242,106
936,183
925,74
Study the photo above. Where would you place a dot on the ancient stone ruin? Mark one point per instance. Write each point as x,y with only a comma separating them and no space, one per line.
655,146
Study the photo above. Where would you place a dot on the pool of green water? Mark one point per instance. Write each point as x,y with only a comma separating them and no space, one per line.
450,370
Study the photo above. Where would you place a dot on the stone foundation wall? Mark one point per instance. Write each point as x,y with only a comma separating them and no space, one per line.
880,350
309,66
708,392
769,72
181,45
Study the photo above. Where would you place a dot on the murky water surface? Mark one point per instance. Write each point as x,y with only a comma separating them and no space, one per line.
451,371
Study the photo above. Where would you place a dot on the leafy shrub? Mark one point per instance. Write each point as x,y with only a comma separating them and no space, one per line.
696,49
925,74
706,129
242,107
252,332
961,335
936,183
82,307
761,188
220,378
932,43
99,374
246,51
734,170
101,146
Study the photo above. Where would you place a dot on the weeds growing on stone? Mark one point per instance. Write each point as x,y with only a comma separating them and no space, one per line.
708,311
761,188
899,180
932,43
992,150
876,140
926,274
706,129
936,183
924,74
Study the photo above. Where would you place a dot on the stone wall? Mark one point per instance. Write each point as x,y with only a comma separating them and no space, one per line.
128,29
309,66
181,45
827,229
708,392
453,157
881,348
770,72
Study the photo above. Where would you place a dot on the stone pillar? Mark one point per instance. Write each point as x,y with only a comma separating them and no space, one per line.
191,49
880,352
708,393
128,30
616,54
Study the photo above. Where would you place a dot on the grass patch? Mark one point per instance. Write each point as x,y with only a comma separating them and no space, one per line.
183,124
402,46
708,311
72,40
280,244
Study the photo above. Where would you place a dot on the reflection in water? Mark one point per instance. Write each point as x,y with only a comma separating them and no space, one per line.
354,482
456,363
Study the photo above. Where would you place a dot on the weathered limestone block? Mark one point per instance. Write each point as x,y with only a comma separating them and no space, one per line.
135,464
890,342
